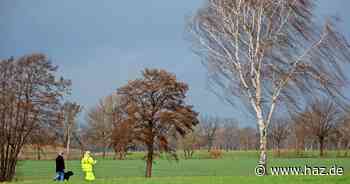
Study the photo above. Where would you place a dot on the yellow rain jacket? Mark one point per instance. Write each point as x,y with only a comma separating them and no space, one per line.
87,163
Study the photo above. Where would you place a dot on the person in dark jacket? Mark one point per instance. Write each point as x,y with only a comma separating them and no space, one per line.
60,167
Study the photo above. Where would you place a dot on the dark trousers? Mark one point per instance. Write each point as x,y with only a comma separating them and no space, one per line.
59,176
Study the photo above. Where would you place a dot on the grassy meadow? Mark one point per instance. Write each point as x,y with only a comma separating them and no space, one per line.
233,167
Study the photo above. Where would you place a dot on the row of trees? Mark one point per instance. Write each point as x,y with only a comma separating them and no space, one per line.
321,125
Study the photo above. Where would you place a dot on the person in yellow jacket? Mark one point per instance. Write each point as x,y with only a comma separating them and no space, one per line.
87,163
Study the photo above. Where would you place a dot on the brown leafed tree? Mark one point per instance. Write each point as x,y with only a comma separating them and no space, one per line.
279,132
122,138
155,108
320,119
268,53
30,95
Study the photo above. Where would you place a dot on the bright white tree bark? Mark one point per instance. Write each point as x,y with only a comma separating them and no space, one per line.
70,111
268,53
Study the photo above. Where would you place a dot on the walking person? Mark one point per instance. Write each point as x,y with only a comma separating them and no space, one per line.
60,167
87,163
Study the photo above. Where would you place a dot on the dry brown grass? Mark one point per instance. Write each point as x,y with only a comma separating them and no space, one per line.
48,152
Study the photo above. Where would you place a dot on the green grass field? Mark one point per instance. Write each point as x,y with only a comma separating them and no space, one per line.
234,167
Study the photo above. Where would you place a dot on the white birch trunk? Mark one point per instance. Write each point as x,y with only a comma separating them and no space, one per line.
263,145
263,139
68,142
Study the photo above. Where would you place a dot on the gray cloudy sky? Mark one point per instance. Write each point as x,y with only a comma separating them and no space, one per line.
101,45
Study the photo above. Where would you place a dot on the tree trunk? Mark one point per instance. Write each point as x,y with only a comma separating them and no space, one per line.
321,141
9,169
247,144
302,146
347,149
38,152
149,162
121,155
191,153
210,144
104,152
115,152
68,142
278,144
185,153
263,145
339,146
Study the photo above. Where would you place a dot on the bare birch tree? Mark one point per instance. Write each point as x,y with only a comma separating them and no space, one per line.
70,110
268,53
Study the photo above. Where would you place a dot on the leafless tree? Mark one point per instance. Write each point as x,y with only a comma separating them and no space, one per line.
100,123
268,53
70,110
209,126
343,135
191,142
155,111
80,137
30,95
279,132
299,133
247,138
41,137
230,134
320,120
